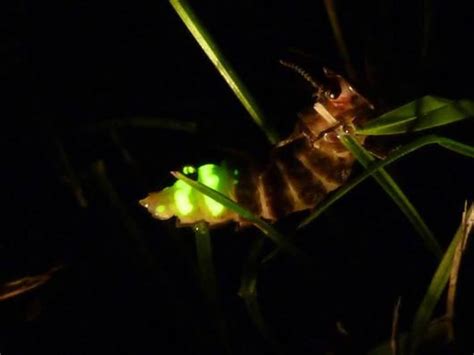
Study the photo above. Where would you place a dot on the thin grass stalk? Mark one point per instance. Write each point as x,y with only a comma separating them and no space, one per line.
424,113
17,287
424,330
444,142
468,222
397,195
213,52
105,185
435,289
248,292
71,175
394,335
427,29
341,43
207,276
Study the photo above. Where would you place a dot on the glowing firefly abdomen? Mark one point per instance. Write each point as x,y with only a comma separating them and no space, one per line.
188,204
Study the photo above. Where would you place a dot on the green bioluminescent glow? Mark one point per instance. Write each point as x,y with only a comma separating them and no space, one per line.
182,198
189,169
209,176
160,209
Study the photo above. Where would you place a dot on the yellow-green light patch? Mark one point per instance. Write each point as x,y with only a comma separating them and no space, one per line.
182,198
209,175
188,169
160,209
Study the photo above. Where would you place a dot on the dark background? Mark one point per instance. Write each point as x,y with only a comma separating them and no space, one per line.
128,283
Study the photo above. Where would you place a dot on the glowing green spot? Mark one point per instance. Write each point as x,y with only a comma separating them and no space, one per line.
209,176
160,209
188,169
236,172
182,198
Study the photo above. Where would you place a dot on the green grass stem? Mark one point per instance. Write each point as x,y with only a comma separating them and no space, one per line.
447,143
438,283
207,276
213,52
421,114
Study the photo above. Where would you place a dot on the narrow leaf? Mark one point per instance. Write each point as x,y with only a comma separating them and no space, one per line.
72,177
424,113
17,287
447,143
468,222
248,292
129,223
207,277
212,51
341,43
397,195
435,289
434,337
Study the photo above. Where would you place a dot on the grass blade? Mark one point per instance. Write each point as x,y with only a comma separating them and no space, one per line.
17,287
424,331
394,335
397,195
435,336
424,113
444,142
436,288
468,222
208,45
266,228
135,234
72,177
207,277
248,292
341,44
427,29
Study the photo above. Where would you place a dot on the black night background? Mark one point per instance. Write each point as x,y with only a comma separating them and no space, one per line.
83,154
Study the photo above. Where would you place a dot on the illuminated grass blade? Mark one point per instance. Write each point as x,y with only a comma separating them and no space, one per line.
207,277
397,195
447,143
436,288
424,113
19,286
248,292
266,228
206,42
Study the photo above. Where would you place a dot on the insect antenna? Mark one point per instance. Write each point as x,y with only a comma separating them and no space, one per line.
301,72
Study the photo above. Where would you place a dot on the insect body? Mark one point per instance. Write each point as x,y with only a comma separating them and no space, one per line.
300,172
